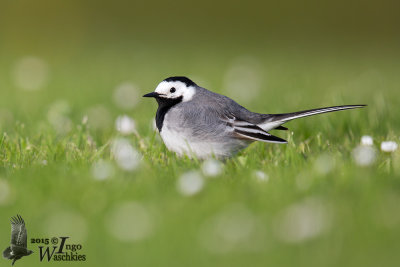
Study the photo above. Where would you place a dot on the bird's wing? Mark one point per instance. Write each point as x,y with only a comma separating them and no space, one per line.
246,130
18,232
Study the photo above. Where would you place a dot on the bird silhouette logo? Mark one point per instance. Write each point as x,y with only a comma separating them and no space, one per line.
18,247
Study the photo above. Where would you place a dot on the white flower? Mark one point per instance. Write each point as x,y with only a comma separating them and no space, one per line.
125,155
389,146
125,125
367,140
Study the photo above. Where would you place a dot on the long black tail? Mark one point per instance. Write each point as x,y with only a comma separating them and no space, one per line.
305,113
273,121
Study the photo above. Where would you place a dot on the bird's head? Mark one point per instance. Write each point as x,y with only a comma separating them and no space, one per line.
30,252
174,89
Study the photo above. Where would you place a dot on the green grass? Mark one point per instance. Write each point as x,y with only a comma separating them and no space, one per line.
345,215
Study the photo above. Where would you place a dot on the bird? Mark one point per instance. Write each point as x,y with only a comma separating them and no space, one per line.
199,123
18,247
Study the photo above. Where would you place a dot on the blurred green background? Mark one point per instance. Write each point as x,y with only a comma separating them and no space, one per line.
70,69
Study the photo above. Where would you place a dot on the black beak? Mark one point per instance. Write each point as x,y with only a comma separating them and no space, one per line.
152,94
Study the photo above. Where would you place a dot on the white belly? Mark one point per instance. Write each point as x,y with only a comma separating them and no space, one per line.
179,138
180,143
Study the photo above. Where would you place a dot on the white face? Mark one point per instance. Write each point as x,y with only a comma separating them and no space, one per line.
175,89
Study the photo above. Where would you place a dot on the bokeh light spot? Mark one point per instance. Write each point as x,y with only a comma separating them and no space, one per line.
30,73
129,222
364,155
190,183
126,96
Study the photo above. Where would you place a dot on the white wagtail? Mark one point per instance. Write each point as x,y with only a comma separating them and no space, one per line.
201,123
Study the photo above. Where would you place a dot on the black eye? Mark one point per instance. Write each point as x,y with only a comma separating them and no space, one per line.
172,90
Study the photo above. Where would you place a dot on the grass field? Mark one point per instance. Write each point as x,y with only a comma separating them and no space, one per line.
307,203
